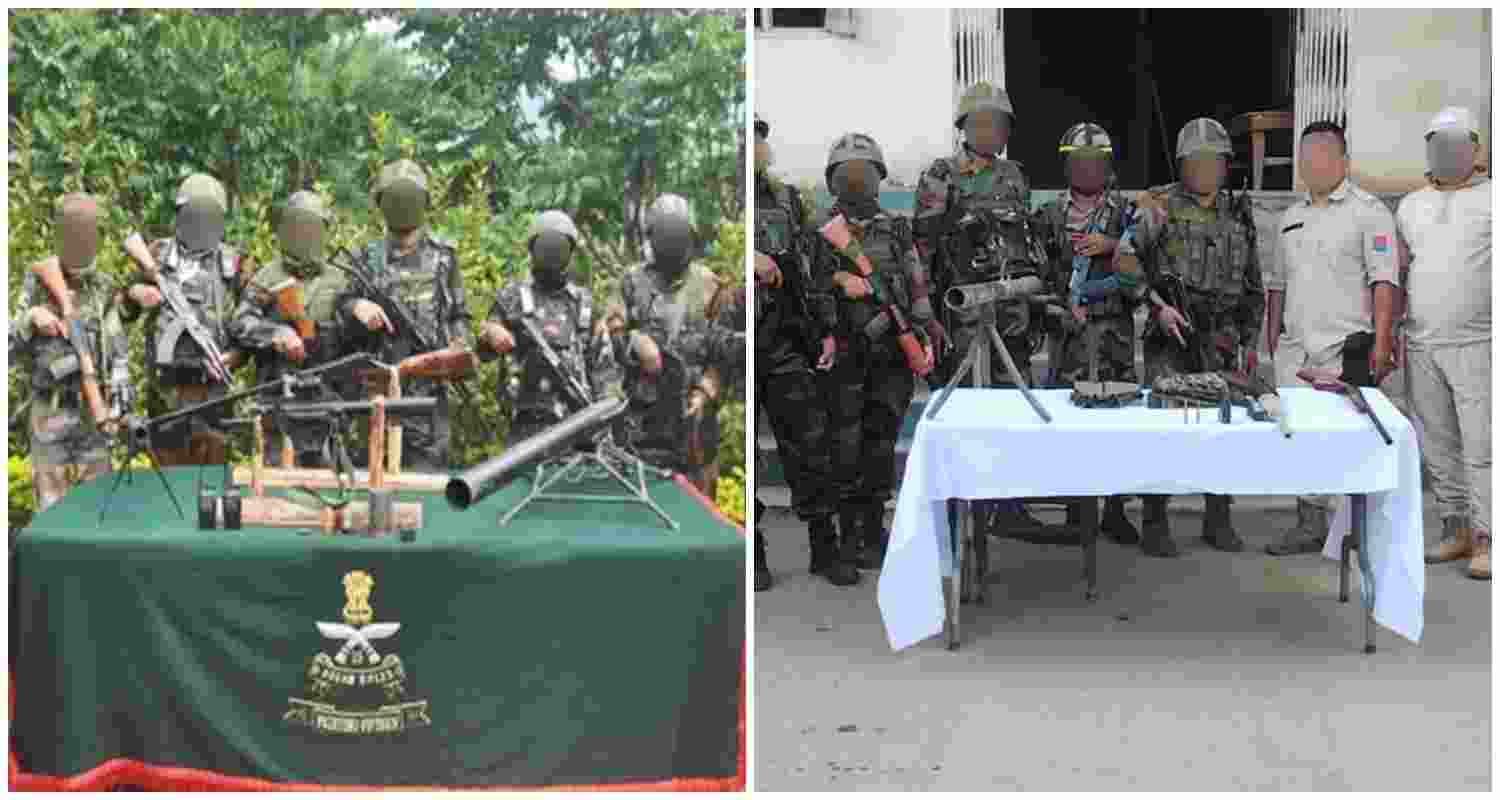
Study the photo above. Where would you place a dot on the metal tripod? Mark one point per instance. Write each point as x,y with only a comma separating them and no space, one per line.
608,461
968,541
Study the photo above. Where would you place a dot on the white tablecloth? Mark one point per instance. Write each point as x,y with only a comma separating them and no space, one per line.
989,443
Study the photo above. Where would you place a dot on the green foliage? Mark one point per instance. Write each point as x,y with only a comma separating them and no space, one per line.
125,104
22,499
731,494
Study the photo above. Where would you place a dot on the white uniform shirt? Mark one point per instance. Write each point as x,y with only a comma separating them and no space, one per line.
1328,260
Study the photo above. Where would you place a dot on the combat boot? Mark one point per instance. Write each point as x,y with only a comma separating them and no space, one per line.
1218,529
763,578
874,538
1458,542
1156,535
1479,565
1115,524
826,561
1308,536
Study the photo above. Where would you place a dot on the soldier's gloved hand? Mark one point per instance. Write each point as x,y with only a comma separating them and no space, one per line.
290,345
1080,314
497,337
371,316
936,335
829,354
854,287
766,271
1173,322
145,295
45,322
648,353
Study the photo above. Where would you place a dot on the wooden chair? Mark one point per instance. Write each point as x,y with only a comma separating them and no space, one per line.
1256,124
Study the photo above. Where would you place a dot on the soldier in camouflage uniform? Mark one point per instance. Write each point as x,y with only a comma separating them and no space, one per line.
785,386
422,272
668,348
1197,243
1080,230
211,274
267,324
870,385
954,194
67,445
563,312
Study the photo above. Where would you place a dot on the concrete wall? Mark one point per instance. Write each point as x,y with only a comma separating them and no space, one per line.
1406,65
893,80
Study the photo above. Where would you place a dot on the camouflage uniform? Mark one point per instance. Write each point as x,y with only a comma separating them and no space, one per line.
1110,317
565,317
786,341
870,386
66,447
428,281
259,320
211,274
673,310
1203,262
948,191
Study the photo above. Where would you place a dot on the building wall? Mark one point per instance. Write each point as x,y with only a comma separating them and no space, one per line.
1406,65
893,80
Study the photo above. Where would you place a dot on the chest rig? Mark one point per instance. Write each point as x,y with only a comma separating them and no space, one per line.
205,279
418,280
1108,220
563,318
1208,249
991,235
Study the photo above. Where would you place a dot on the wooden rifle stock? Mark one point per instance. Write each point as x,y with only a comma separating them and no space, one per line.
49,272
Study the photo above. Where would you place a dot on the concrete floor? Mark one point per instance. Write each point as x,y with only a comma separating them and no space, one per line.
1210,672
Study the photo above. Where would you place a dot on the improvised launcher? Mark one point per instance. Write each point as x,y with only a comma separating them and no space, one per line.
548,446
986,295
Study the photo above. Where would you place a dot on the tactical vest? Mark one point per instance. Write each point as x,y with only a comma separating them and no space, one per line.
885,241
1054,218
535,388
1210,250
320,295
775,224
207,283
674,317
421,287
56,373
998,191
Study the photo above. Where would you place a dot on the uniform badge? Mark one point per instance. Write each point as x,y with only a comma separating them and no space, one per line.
1382,243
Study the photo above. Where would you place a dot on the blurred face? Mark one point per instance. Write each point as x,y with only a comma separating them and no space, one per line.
1452,155
1204,173
856,180
1088,172
762,154
987,131
1322,162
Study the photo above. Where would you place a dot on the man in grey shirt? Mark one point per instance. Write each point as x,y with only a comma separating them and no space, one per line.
1335,275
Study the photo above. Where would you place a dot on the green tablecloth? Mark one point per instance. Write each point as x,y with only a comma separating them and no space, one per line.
582,643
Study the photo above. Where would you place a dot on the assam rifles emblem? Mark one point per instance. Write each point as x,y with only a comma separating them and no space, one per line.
356,690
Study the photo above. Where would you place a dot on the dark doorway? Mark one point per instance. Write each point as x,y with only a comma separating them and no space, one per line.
1097,65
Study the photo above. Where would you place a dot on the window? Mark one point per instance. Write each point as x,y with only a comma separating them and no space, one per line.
836,21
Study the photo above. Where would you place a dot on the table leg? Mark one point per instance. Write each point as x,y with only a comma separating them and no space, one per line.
1344,571
981,561
1089,516
1358,504
1257,158
960,521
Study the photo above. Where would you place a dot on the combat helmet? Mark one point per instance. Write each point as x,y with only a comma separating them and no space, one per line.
402,170
1085,138
851,147
201,186
1203,134
983,96
555,221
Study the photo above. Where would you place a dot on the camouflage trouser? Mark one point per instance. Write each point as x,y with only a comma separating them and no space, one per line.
193,441
799,421
1116,342
63,452
868,392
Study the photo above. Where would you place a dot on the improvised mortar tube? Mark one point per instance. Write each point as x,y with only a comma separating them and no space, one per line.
962,298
